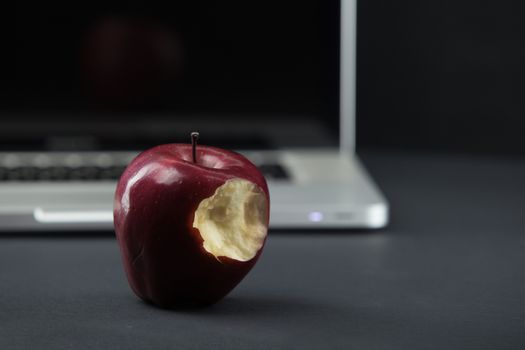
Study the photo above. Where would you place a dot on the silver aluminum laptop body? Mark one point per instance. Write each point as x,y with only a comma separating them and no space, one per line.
329,188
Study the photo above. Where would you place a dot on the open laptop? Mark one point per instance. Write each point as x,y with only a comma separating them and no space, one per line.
90,86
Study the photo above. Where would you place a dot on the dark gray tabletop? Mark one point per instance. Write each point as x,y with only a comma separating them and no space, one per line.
448,273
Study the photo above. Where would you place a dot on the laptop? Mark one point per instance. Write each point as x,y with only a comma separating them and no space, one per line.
89,87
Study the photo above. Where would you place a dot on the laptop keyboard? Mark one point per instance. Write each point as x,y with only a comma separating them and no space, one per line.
60,173
98,173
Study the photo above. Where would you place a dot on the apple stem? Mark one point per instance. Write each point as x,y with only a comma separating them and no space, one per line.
194,138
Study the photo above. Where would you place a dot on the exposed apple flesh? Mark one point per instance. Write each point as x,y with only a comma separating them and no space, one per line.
232,221
190,222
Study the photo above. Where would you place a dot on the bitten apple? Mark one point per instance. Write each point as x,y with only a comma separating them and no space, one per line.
190,221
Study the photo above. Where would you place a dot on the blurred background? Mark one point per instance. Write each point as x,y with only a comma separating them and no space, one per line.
442,75
432,75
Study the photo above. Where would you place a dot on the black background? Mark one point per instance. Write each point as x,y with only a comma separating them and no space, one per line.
442,75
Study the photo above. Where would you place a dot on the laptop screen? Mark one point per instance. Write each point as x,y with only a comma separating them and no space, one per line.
119,75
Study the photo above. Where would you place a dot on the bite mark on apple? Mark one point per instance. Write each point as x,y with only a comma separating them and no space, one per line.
232,222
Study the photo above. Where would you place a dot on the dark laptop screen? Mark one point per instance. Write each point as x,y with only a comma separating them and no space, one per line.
111,72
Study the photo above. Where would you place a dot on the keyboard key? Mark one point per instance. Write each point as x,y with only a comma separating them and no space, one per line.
274,171
59,173
27,173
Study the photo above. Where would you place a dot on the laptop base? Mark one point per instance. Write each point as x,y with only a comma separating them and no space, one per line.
327,189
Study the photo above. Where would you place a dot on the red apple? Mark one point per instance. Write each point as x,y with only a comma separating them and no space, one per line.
191,222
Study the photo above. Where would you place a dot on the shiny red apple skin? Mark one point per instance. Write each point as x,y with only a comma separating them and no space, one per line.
155,202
